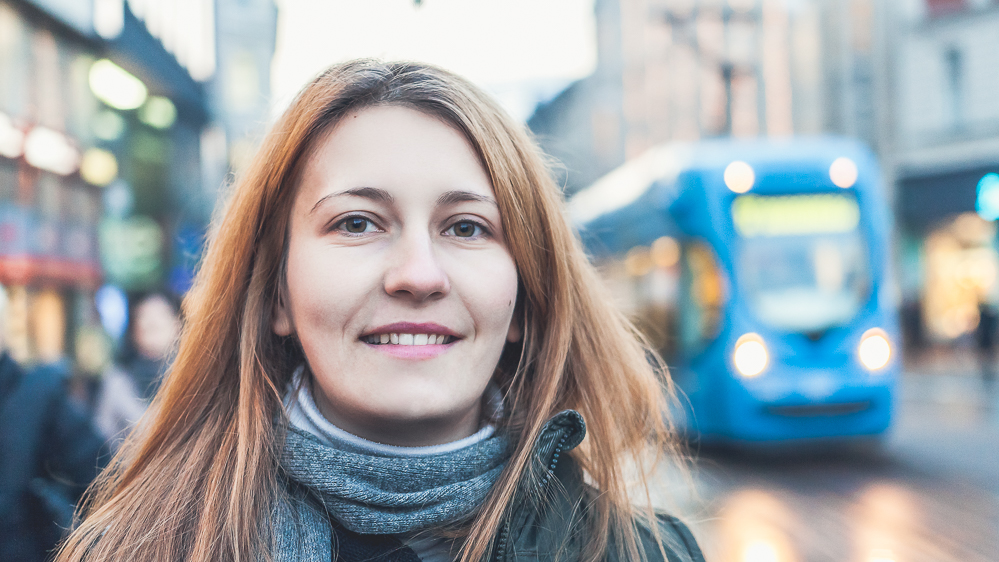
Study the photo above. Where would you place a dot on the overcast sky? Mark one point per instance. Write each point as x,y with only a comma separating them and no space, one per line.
521,50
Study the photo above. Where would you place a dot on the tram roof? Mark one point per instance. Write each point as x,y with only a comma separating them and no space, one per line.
659,166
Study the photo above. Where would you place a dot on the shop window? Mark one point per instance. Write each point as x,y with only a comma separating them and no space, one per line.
48,325
962,267
18,338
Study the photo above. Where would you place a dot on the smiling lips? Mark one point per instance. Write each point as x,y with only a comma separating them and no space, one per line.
407,339
410,334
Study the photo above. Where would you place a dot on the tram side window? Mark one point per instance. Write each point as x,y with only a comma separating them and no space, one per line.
644,283
703,296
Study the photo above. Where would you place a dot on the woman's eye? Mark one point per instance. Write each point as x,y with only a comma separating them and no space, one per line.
465,229
356,225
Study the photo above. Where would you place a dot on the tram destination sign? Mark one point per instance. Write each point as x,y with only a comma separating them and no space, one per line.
794,215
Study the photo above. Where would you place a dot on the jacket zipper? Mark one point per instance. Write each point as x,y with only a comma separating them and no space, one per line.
504,537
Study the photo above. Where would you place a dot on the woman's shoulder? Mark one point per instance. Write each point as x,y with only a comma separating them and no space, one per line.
678,543
569,505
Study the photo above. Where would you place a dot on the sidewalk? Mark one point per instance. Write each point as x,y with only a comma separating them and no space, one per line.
947,376
948,361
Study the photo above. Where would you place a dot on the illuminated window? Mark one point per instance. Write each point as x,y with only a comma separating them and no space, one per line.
786,215
702,297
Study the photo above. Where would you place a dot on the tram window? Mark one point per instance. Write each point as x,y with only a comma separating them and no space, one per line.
644,284
802,262
703,297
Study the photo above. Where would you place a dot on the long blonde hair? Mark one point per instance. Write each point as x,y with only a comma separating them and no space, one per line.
196,480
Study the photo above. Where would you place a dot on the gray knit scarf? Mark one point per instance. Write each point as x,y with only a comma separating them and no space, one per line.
373,494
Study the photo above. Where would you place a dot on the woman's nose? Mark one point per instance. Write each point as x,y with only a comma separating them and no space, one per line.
415,270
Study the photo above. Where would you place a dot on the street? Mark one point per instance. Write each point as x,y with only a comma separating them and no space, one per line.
929,493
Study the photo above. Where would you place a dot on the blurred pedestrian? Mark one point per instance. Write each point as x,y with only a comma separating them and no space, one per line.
913,336
388,354
985,336
49,453
127,387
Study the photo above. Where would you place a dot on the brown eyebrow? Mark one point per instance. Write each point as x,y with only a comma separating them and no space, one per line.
452,197
372,193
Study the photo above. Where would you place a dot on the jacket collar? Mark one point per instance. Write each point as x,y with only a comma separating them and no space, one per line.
562,433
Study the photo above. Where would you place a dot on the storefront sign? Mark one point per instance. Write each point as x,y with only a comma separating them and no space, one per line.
35,249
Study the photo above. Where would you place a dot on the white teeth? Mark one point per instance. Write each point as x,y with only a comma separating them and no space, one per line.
407,339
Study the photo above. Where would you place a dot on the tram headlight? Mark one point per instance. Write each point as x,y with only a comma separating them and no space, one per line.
874,349
843,172
739,176
750,355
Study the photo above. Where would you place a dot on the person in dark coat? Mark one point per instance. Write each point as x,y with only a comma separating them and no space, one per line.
49,453
985,336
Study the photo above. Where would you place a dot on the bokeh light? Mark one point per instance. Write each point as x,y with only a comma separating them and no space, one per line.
115,86
987,197
739,176
99,167
112,306
874,349
750,355
843,172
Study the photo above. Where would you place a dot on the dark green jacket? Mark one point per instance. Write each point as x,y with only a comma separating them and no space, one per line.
549,520
547,523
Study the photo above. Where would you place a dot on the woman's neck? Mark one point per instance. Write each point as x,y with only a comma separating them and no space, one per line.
304,413
404,432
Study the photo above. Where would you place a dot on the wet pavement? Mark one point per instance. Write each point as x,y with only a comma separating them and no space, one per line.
928,493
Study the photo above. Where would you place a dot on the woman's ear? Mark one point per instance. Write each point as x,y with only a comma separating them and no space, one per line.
282,324
514,334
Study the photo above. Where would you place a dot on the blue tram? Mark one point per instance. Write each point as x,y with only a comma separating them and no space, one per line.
761,272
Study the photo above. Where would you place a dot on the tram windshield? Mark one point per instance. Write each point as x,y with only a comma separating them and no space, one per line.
802,262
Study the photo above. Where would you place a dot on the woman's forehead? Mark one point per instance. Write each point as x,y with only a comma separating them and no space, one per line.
397,150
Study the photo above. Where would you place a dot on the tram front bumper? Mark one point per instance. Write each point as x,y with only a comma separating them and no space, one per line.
809,404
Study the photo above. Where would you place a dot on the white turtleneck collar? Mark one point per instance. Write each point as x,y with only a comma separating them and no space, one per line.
305,415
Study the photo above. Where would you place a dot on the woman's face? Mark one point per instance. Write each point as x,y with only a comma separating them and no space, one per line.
400,286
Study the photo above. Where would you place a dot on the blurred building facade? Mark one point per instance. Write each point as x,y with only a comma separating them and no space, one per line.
682,70
240,90
914,79
945,152
104,109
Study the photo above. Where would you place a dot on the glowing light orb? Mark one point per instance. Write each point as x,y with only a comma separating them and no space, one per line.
739,176
843,172
750,356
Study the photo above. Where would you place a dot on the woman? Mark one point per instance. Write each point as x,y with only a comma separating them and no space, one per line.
310,415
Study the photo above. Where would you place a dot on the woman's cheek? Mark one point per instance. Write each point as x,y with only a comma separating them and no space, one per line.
490,285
